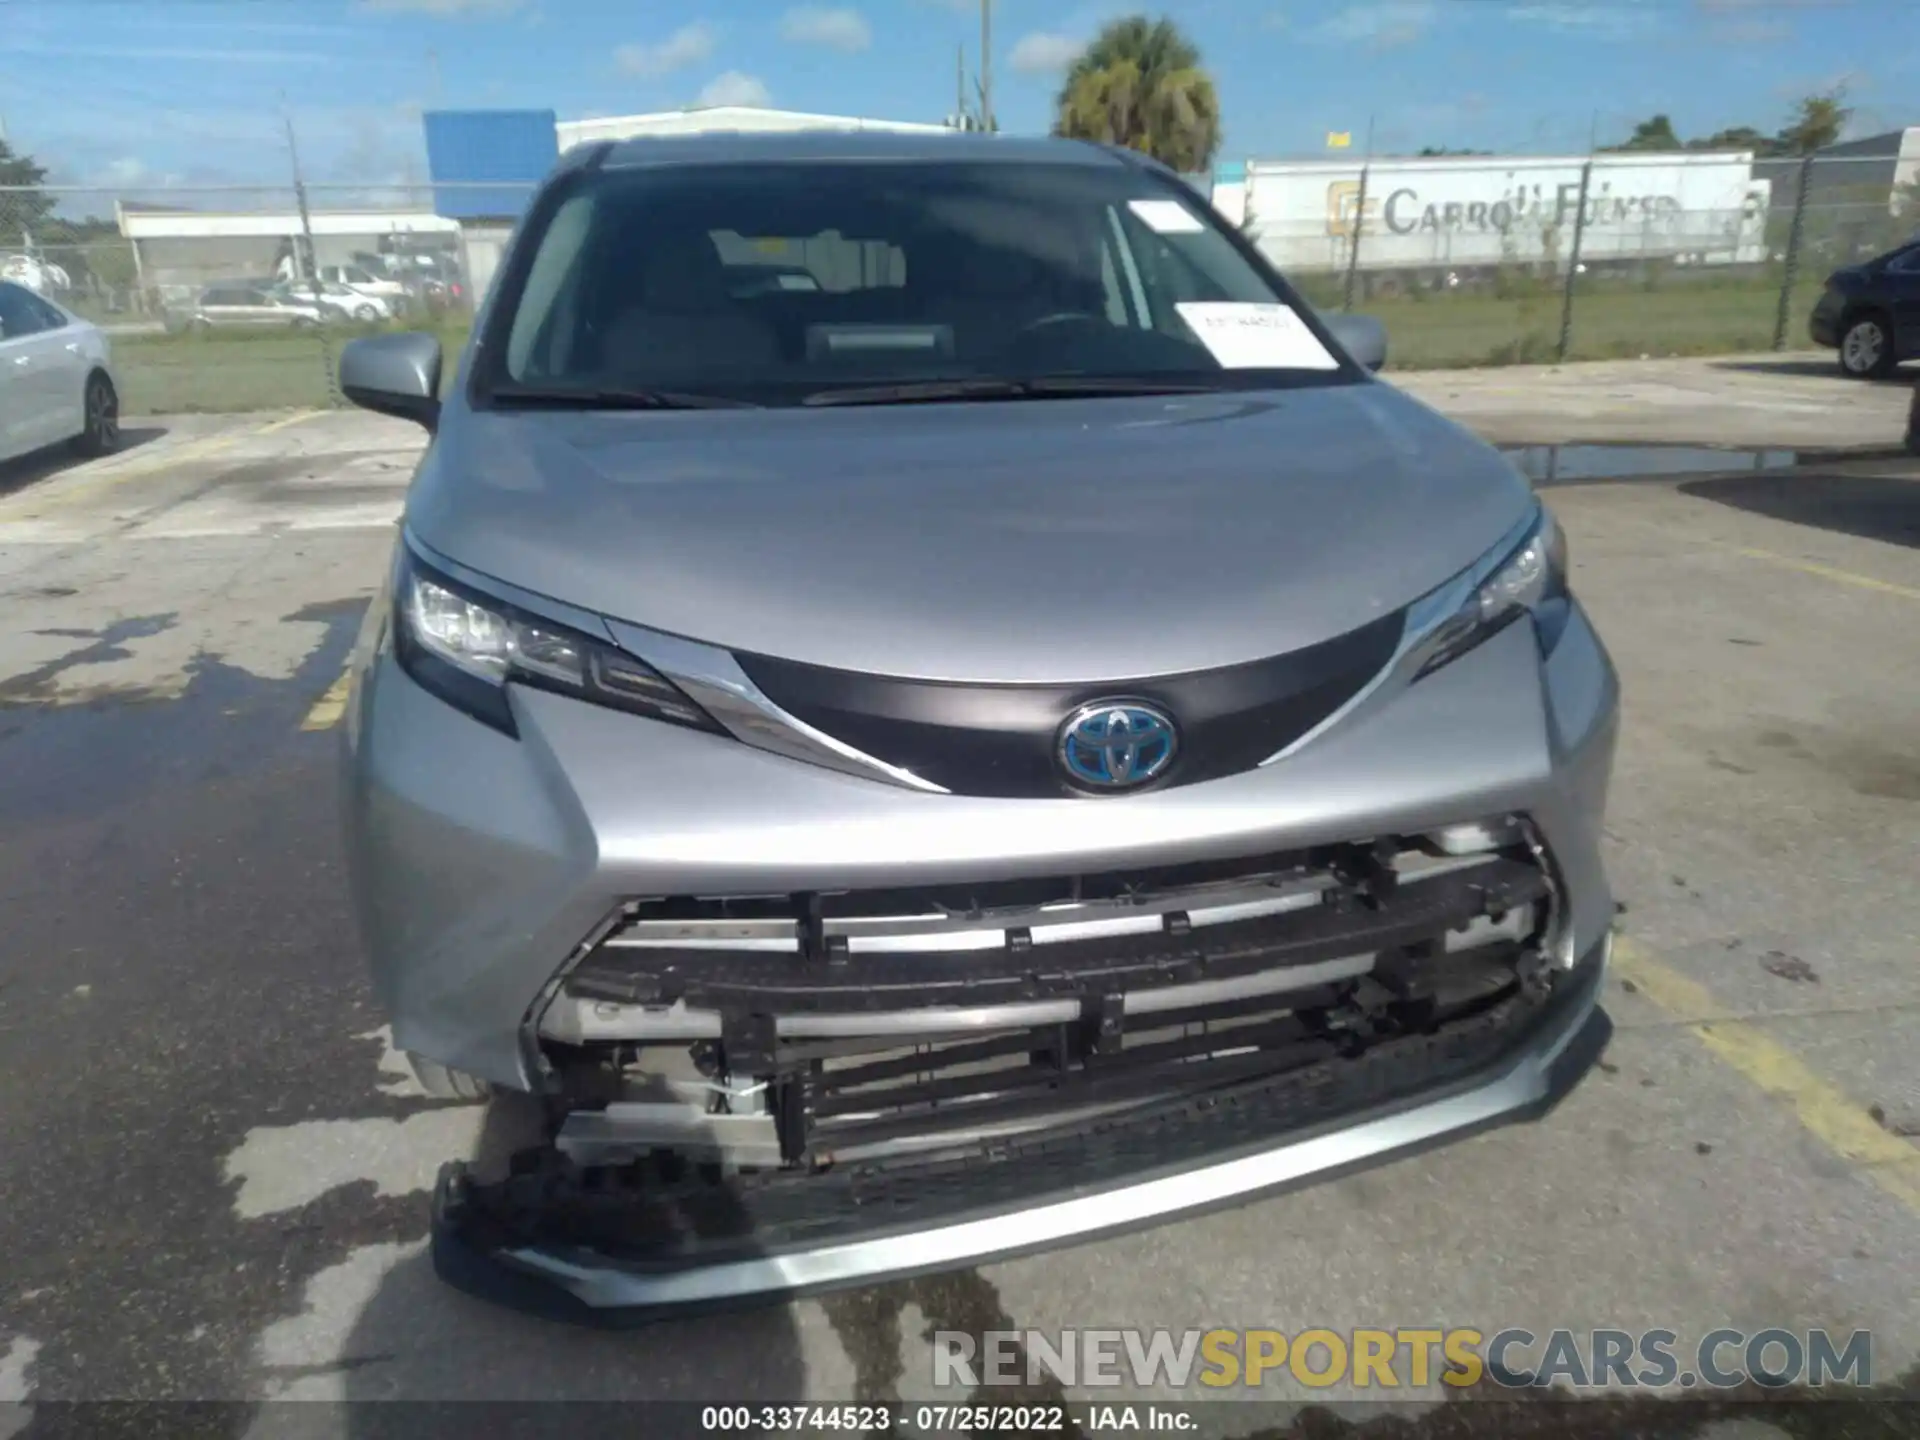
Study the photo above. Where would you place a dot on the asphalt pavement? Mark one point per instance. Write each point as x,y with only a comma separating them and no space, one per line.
215,1184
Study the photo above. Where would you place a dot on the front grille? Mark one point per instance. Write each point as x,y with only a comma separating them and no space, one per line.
998,740
663,1213
871,1023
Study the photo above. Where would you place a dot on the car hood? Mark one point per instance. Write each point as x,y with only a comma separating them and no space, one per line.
1026,541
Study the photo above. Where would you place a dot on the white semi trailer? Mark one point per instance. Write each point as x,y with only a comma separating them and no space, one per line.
1450,219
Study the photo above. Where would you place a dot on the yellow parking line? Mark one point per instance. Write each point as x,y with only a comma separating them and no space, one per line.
1827,1113
328,709
27,504
1845,577
285,420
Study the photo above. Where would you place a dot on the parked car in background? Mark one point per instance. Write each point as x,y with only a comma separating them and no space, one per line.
35,273
338,302
1870,313
56,378
246,304
362,281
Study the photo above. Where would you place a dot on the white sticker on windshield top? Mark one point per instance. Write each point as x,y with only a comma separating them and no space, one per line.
1166,217
1245,336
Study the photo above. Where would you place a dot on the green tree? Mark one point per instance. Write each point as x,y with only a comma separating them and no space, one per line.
1140,84
1654,134
23,204
1817,122
1739,137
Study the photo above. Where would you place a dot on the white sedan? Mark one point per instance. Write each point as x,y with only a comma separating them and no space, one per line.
56,378
338,302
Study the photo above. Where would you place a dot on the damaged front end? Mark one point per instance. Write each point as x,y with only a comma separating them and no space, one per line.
751,1096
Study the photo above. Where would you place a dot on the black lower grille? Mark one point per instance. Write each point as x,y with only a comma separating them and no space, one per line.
934,1035
998,740
664,1214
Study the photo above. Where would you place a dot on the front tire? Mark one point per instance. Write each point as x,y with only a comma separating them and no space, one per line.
101,435
1866,347
366,314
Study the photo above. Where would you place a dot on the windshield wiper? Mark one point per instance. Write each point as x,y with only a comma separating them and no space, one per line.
615,399
1040,387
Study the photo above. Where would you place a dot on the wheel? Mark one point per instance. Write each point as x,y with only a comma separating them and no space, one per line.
366,314
301,322
102,408
1866,348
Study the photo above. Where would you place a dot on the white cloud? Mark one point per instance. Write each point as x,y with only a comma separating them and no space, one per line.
735,88
125,171
838,29
1608,21
1381,24
444,9
1043,52
688,45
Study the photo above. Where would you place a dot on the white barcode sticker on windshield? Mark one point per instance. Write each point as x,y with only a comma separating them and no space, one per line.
1166,217
1245,336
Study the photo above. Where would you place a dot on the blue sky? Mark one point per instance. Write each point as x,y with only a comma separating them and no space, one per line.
188,91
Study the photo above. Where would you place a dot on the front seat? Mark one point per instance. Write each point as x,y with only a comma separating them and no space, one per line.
685,322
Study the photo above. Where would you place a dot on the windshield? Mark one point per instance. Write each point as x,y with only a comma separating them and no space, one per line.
782,284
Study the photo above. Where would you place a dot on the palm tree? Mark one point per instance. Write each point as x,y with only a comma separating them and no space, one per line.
1139,84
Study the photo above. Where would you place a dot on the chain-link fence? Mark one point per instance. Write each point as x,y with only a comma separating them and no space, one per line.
1501,260
237,299
225,299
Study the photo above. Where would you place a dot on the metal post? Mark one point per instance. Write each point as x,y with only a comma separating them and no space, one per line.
1795,231
1353,242
986,65
308,264
1573,264
139,278
1359,220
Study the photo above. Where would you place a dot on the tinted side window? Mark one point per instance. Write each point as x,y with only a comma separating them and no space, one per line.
51,318
21,313
1905,262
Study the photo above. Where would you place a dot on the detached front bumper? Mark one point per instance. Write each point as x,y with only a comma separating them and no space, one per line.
510,1242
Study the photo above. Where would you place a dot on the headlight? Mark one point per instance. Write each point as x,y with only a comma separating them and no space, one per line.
1527,577
467,648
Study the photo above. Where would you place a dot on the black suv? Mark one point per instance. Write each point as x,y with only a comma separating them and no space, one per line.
1870,313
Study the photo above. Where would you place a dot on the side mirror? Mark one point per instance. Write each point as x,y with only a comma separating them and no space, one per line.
394,375
1361,336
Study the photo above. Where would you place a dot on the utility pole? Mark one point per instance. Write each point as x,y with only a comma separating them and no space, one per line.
960,91
1359,220
307,266
433,76
986,64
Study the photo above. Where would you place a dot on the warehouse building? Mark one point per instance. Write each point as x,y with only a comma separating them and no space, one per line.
485,163
177,250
